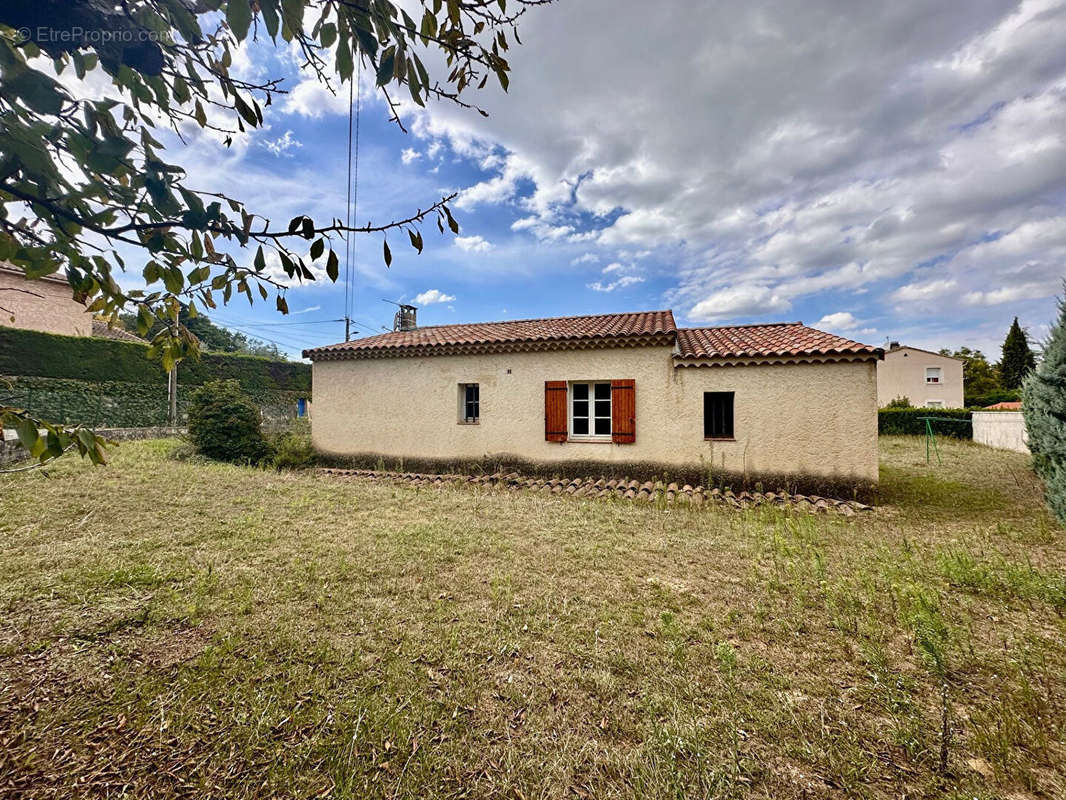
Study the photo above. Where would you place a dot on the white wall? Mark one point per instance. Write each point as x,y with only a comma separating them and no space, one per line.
816,419
1004,430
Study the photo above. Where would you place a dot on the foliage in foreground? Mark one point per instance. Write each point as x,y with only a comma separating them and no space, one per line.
224,424
88,176
1044,408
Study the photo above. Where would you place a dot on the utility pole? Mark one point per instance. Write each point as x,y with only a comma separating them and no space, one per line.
172,394
172,388
347,329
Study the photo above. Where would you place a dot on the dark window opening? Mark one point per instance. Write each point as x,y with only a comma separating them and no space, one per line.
718,415
471,402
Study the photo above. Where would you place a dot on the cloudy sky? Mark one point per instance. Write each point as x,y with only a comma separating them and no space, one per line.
895,171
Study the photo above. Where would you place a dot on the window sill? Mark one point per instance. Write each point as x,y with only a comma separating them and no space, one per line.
719,438
469,422
590,439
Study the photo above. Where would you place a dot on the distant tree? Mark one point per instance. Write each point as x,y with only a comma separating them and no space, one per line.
212,337
979,377
1044,407
1018,358
900,402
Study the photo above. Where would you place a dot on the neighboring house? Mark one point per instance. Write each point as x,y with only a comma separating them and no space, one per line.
776,399
925,378
1007,405
44,304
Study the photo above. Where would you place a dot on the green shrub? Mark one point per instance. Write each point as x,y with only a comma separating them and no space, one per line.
1044,407
953,422
224,424
900,402
991,398
292,446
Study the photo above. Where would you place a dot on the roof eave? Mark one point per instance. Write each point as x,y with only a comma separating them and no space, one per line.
657,339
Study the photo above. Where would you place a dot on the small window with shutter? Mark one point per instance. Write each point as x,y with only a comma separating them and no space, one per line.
718,415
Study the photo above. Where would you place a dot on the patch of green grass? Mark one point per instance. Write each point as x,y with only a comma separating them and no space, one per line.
998,577
173,626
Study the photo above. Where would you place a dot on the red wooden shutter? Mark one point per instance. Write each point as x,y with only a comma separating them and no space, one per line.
555,416
624,411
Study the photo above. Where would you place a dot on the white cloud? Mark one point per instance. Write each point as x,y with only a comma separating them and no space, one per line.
283,144
838,321
739,301
585,258
621,283
858,150
307,310
431,296
409,155
1008,294
473,244
923,292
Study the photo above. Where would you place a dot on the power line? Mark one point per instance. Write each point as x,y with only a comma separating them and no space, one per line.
276,324
352,199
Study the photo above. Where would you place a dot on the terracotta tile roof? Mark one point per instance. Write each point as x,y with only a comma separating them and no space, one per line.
609,330
102,331
1006,405
776,340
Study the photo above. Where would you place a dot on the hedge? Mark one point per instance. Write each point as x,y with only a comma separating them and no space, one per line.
990,399
115,404
953,422
84,358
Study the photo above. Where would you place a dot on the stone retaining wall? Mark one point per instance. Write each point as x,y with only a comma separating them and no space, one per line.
624,489
11,450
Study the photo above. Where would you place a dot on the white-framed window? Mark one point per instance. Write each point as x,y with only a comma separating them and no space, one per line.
590,410
469,403
932,374
934,403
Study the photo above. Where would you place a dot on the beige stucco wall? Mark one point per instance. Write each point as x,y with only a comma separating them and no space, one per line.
902,374
812,419
50,308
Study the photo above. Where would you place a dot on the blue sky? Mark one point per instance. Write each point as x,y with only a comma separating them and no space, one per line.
898,172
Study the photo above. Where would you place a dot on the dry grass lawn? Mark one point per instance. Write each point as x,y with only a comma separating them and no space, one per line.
181,629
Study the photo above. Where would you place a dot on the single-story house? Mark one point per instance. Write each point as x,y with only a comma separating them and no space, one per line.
779,399
927,379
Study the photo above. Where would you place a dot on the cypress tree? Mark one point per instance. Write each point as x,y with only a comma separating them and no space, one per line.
1018,359
1044,407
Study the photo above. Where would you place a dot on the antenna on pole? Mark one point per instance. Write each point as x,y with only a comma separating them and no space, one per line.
350,246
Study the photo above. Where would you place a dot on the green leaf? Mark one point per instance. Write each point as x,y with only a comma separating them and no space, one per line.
283,307
332,266
317,248
328,34
388,254
260,260
246,112
416,239
239,17
27,432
